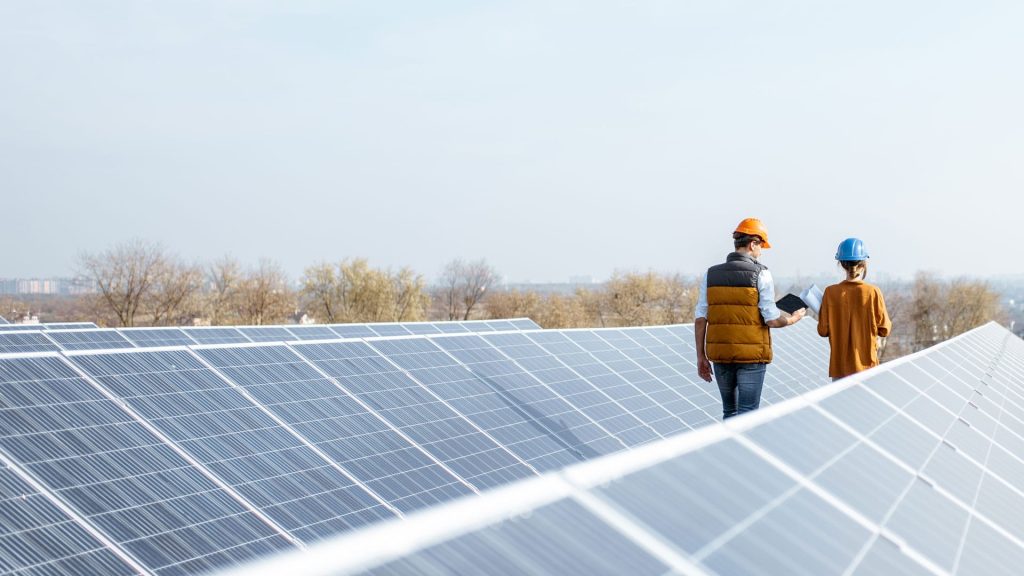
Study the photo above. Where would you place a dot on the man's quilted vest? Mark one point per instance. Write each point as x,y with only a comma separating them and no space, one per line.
736,332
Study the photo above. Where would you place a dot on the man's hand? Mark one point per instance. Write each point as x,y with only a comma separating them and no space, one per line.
704,368
798,315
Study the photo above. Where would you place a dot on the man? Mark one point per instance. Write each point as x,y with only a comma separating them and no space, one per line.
735,309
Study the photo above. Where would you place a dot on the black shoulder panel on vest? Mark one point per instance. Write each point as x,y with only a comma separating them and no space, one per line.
738,270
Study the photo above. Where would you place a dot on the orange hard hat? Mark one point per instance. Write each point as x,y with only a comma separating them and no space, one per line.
754,227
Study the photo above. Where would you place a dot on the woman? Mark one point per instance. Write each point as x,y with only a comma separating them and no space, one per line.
852,314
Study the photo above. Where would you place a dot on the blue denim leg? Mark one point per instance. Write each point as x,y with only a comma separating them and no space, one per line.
749,381
725,376
740,386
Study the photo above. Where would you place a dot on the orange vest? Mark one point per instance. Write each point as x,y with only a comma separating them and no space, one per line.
736,332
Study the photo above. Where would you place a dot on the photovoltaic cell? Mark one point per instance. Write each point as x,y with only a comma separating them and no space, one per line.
352,331
69,325
389,329
266,333
243,446
333,421
308,332
421,328
647,397
216,335
611,407
17,342
538,544
452,328
868,477
37,537
98,339
519,426
157,337
694,404
525,324
512,381
411,408
114,471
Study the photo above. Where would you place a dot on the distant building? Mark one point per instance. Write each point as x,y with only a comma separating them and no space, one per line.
37,286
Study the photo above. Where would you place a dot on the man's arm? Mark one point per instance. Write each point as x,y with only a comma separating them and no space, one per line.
787,319
772,315
700,331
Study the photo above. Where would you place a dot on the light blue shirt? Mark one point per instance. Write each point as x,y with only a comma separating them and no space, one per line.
765,300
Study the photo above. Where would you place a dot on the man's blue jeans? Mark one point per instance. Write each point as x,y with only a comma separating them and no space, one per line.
740,386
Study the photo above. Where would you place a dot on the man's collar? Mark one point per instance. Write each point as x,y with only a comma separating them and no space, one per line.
733,256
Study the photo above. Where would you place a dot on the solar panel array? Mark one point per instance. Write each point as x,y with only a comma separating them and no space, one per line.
3,320
182,459
71,336
914,467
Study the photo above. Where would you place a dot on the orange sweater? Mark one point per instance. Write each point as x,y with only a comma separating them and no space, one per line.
852,315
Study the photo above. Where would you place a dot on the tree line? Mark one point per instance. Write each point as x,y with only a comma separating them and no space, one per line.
140,283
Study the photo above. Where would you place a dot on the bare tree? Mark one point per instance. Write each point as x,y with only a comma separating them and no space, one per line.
264,296
353,291
462,286
223,282
409,293
174,294
138,280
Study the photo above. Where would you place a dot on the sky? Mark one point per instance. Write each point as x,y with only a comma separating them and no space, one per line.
554,138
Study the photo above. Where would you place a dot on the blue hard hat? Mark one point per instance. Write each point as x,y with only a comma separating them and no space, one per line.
851,250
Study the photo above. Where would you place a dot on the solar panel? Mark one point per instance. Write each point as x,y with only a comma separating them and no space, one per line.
216,335
3,320
312,333
95,339
15,342
69,325
451,328
654,404
610,407
514,424
352,330
454,441
39,536
21,327
476,326
348,432
389,329
266,333
120,476
694,402
420,328
156,337
913,467
519,388
525,324
240,443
